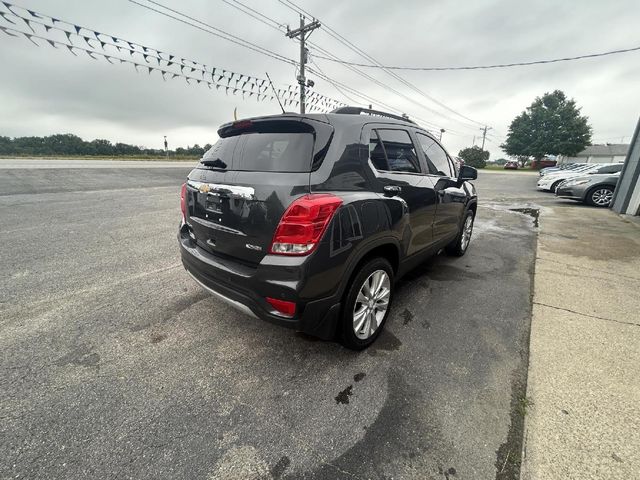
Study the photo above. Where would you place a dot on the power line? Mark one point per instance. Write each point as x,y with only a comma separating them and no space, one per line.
221,33
265,19
486,67
365,55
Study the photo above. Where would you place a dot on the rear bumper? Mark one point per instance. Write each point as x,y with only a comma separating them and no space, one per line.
244,288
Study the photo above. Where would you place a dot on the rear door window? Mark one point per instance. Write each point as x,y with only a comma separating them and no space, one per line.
436,157
393,151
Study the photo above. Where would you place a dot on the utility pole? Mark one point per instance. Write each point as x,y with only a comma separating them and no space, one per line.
166,147
484,135
303,33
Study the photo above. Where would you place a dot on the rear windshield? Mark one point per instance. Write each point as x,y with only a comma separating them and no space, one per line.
263,152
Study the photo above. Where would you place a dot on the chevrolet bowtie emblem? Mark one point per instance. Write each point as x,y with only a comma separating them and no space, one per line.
204,188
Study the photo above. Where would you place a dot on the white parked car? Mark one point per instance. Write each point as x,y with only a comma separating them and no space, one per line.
551,181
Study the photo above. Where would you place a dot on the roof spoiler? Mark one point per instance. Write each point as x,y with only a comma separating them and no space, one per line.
368,111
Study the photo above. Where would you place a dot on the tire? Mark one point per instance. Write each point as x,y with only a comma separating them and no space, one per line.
459,246
600,196
352,305
554,185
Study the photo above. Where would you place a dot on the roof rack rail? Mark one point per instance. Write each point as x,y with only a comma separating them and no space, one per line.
368,111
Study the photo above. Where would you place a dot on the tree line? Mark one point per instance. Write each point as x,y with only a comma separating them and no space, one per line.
68,144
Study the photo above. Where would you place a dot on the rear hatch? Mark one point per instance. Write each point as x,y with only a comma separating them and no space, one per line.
244,183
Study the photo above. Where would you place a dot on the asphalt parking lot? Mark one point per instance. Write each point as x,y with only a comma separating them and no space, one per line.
116,365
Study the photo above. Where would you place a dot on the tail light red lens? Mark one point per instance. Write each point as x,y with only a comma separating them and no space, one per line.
303,223
183,201
282,307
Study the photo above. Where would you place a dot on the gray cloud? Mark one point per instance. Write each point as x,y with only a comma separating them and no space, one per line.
44,91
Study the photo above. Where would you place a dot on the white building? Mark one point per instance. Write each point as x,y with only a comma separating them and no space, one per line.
609,153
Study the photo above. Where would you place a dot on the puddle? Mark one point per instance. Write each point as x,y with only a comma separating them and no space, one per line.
532,212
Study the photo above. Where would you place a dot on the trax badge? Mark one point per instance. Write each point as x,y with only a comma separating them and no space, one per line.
253,247
204,188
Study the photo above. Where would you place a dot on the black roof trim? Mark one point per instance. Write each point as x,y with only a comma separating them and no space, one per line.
368,111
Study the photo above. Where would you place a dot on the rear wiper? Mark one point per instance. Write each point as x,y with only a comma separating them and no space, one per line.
217,163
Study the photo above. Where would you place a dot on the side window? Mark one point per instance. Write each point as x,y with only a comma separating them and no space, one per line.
376,152
436,157
400,152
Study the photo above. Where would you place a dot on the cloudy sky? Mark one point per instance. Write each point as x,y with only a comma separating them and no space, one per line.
46,90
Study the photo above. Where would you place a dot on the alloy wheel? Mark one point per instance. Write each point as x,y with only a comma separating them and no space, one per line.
371,304
467,229
602,197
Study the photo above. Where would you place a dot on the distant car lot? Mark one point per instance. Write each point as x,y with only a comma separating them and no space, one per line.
116,364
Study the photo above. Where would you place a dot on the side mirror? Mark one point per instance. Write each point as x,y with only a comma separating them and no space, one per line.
467,173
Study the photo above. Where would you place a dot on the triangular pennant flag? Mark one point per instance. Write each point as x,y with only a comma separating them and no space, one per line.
169,64
187,80
115,39
145,56
52,43
96,34
235,90
150,70
6,30
102,44
47,28
70,47
163,73
86,39
171,57
175,75
208,85
28,22
34,14
119,48
145,48
54,20
78,28
213,72
28,35
182,68
122,60
89,53
217,87
108,59
132,45
4,15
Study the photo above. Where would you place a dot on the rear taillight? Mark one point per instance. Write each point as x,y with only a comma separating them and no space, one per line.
283,308
183,202
303,224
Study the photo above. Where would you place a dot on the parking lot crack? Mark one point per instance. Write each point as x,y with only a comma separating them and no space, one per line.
587,315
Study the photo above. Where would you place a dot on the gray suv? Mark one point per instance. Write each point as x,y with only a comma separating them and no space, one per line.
307,221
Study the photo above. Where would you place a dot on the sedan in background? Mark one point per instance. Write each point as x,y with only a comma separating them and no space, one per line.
551,181
596,190
558,168
511,166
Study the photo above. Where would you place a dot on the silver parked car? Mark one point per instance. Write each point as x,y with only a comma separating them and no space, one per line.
596,189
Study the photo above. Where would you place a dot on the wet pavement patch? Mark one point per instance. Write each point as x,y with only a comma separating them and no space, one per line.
278,469
158,337
532,212
407,316
80,357
343,396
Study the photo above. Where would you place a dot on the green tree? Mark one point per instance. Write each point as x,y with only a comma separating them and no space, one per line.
551,125
474,156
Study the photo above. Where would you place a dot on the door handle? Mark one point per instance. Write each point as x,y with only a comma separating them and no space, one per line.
391,190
